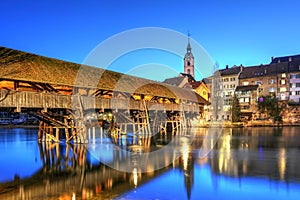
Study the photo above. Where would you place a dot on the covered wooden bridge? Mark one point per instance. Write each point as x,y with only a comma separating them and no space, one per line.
66,95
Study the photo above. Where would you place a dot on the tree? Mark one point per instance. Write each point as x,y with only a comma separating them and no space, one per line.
235,109
269,104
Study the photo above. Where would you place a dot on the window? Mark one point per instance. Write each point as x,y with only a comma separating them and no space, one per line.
293,76
226,80
292,85
188,63
258,82
246,107
245,92
282,81
272,81
297,84
227,101
247,100
189,71
282,89
272,90
283,75
204,93
232,79
297,92
245,83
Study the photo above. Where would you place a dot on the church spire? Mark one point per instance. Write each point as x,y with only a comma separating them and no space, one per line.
189,48
189,59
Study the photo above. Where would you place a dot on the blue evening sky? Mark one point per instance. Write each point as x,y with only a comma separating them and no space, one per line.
230,31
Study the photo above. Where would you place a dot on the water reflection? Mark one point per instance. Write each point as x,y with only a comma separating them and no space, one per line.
256,163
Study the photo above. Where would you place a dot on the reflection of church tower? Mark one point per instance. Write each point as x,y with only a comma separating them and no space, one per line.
189,60
187,162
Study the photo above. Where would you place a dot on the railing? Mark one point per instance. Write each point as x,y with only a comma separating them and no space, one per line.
24,99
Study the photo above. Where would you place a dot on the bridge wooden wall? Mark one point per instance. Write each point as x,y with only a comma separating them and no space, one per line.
33,100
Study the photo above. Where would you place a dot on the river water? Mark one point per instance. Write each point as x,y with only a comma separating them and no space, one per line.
237,163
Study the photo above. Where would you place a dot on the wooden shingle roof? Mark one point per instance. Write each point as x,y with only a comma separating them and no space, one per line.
23,66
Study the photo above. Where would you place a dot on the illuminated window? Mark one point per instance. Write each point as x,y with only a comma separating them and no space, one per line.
282,89
283,75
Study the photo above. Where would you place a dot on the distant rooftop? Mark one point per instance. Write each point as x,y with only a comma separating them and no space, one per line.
234,70
285,59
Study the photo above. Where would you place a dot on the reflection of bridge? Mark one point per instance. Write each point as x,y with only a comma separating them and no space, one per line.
70,170
68,93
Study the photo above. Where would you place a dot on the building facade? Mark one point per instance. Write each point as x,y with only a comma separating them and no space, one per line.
247,96
223,84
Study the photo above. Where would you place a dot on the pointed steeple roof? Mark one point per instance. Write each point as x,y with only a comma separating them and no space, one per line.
189,49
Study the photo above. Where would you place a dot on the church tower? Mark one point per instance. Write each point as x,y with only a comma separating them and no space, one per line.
189,60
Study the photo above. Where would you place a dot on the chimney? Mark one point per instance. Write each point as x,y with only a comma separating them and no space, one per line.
241,68
226,66
272,58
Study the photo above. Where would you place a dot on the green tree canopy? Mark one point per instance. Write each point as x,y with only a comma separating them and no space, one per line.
235,109
269,104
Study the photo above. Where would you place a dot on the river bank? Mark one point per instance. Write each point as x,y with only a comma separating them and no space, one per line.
260,123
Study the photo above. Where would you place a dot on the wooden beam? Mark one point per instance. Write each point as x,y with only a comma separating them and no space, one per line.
50,87
16,85
35,86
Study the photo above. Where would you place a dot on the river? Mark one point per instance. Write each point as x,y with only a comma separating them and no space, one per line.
228,163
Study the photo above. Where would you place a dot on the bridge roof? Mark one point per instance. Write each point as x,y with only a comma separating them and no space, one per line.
23,66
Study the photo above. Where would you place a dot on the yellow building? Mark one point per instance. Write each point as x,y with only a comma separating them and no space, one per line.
201,88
